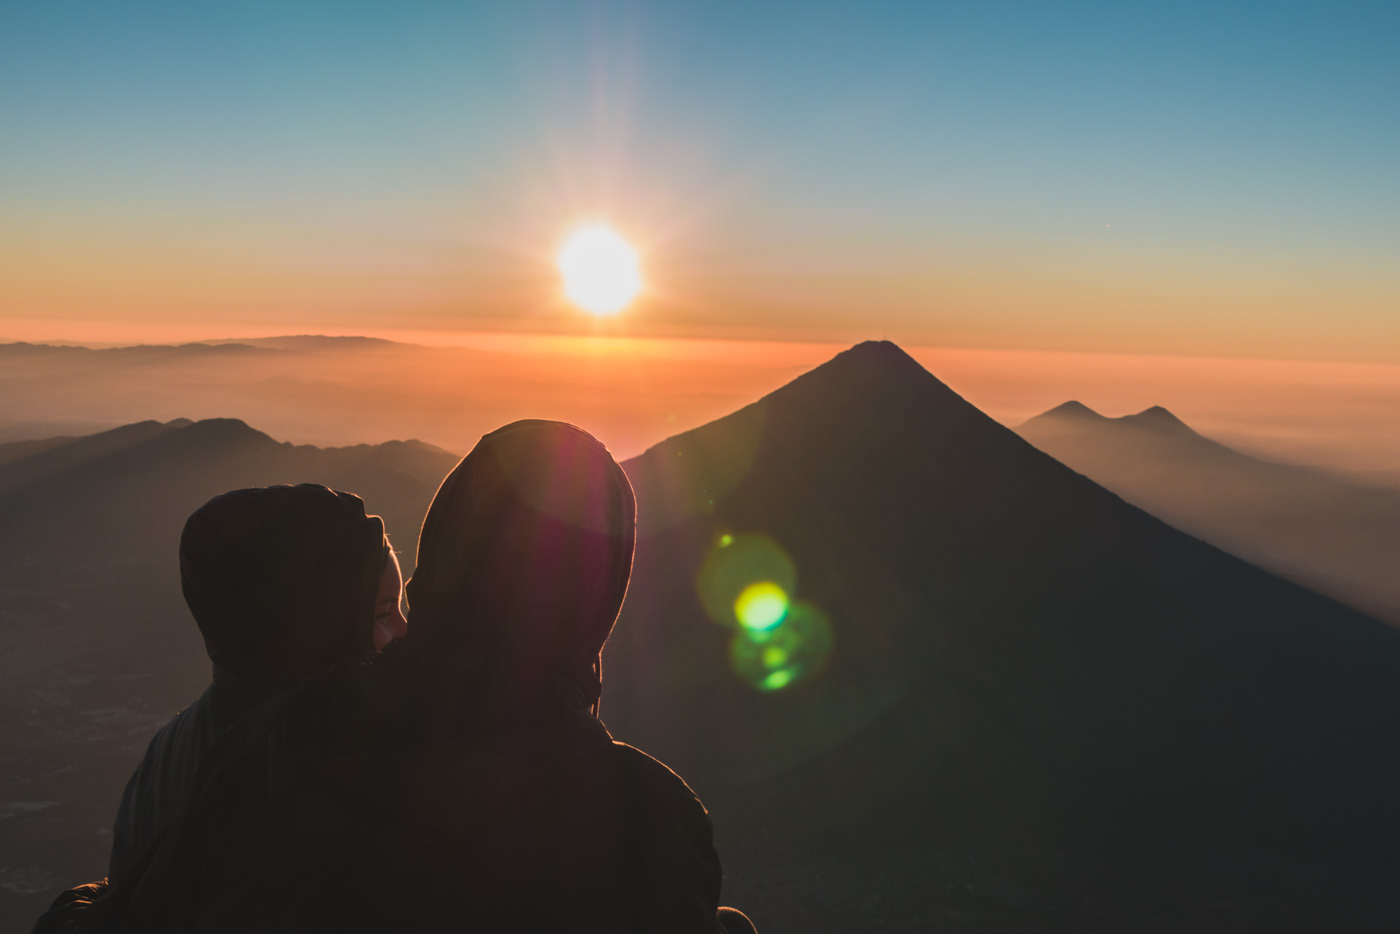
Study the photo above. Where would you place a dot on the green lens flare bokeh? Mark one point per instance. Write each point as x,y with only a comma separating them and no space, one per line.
796,647
761,606
748,584
737,563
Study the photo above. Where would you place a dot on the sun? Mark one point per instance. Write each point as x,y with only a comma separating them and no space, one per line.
600,270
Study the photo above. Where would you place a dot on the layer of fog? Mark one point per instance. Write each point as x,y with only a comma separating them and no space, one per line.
633,393
1339,538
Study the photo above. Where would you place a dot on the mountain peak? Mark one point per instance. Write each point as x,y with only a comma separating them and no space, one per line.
876,350
872,359
1157,418
221,430
866,381
1072,411
220,424
869,362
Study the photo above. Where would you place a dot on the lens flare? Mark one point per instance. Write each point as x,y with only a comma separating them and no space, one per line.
747,583
735,565
696,476
793,650
777,680
761,606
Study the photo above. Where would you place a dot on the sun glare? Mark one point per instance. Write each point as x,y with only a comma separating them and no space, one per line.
600,270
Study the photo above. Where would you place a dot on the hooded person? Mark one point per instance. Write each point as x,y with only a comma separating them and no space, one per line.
463,780
283,582
523,564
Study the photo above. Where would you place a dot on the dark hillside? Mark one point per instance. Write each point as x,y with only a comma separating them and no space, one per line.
24,462
1043,708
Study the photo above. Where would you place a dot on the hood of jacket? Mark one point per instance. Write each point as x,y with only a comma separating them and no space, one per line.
522,567
281,581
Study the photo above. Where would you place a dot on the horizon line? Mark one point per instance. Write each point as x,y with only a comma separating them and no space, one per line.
485,338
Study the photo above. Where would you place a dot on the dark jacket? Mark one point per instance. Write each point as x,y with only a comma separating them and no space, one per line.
281,582
462,780
374,823
157,791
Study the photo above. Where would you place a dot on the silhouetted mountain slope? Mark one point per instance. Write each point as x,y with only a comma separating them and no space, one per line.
1152,425
55,456
1338,537
18,450
21,354
1157,418
1074,409
311,342
133,485
1058,711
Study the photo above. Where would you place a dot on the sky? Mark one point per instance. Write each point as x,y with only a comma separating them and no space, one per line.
1185,179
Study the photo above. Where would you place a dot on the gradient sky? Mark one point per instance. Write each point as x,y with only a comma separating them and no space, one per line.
1181,178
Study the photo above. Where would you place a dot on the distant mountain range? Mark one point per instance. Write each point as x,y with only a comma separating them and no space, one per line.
74,390
129,488
1333,535
925,676
333,391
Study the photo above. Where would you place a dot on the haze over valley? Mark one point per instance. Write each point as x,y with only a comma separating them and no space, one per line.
1336,536
634,392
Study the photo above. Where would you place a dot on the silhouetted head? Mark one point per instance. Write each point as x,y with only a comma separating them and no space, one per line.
523,564
283,581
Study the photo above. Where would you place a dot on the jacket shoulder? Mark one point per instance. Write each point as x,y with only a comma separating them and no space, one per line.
652,773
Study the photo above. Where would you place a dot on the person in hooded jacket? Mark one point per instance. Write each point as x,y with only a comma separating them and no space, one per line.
283,582
464,779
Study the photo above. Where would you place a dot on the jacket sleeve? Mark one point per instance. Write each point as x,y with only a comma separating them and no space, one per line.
676,868
145,809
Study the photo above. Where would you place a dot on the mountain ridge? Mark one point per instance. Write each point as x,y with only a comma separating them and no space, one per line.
1328,533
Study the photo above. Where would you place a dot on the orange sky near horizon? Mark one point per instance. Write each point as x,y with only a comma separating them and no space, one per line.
1100,298
449,387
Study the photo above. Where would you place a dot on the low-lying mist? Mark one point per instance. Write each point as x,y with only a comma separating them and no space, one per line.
633,393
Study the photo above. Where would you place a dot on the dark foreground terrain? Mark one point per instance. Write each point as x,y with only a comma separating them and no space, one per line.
992,696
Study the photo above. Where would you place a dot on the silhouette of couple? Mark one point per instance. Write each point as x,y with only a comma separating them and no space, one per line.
458,780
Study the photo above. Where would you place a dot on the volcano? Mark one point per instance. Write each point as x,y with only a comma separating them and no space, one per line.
1028,705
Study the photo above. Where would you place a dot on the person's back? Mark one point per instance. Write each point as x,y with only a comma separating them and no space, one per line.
282,582
523,565
377,825
158,789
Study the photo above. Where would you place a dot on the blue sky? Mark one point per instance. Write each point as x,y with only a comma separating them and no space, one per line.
1180,176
